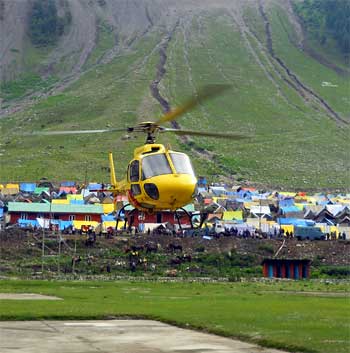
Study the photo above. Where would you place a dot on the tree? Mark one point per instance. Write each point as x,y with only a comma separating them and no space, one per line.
45,27
324,18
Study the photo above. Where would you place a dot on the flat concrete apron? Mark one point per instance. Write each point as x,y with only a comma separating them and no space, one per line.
113,336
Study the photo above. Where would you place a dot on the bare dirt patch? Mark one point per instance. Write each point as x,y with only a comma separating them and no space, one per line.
313,293
27,296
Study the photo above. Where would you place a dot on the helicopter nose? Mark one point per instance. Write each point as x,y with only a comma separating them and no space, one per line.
178,190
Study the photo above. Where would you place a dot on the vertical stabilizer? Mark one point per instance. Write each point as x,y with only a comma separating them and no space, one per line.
112,170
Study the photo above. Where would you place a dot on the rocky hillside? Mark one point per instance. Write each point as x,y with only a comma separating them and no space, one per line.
116,62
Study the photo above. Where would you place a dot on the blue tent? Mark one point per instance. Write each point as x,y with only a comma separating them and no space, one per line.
245,194
27,187
289,201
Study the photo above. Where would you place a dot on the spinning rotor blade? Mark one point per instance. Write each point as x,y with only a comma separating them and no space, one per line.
205,133
204,93
76,132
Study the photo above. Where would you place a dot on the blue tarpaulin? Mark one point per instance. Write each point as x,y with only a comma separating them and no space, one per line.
62,224
286,202
27,187
27,223
77,202
244,194
94,186
289,209
107,218
68,183
231,193
296,222
34,223
1,212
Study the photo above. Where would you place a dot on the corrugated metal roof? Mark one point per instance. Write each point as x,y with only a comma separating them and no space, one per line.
55,208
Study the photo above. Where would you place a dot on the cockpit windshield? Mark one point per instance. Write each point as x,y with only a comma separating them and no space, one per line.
153,165
181,163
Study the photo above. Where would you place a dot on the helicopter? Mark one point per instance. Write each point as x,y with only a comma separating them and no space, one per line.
159,178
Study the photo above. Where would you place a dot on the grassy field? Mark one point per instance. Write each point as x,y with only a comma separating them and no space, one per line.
294,143
297,316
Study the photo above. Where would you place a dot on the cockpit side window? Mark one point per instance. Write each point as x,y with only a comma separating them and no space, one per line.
182,163
134,171
153,165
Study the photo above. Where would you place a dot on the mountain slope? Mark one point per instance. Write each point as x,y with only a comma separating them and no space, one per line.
119,57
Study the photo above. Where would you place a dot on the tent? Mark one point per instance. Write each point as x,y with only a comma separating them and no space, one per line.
232,215
289,209
74,197
27,187
39,190
68,183
260,211
108,208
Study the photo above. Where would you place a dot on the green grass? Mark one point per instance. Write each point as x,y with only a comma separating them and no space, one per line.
281,315
27,83
293,145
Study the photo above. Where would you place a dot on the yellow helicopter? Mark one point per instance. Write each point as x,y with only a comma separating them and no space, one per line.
157,177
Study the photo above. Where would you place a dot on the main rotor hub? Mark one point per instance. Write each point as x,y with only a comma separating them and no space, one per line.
150,128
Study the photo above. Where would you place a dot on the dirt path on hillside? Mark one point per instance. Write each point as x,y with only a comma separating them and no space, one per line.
248,36
181,26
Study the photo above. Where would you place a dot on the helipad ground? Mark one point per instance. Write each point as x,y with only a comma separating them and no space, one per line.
113,336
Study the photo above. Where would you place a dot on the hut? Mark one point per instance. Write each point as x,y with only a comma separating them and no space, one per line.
286,268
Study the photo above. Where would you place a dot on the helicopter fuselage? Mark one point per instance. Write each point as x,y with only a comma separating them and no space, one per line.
160,179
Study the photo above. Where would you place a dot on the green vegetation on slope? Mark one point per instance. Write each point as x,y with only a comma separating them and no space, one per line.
327,18
102,97
297,316
283,126
27,83
295,142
